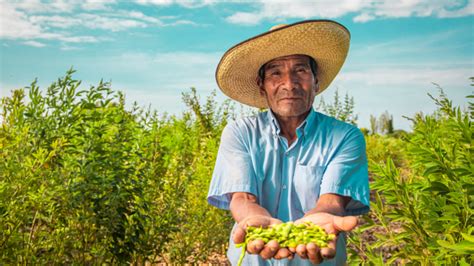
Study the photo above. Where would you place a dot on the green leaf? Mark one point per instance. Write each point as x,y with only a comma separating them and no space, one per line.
462,246
439,187
467,237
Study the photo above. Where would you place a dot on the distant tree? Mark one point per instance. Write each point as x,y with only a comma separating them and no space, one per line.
386,123
342,109
373,125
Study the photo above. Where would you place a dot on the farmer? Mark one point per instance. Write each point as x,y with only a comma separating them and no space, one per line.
289,163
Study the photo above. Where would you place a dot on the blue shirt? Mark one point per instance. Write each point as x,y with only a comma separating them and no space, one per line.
327,157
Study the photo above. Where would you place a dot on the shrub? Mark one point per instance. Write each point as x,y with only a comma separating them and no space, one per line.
422,214
85,181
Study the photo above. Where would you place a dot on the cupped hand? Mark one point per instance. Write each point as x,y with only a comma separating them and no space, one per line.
266,251
332,224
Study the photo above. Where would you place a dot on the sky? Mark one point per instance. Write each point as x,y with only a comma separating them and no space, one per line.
154,50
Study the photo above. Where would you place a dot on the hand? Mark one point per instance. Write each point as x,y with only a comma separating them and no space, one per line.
332,224
271,249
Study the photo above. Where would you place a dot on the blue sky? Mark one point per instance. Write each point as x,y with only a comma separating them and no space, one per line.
154,50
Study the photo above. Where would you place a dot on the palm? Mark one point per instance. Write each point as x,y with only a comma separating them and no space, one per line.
332,224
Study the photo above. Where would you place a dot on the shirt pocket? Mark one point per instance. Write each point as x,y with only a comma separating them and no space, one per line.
307,185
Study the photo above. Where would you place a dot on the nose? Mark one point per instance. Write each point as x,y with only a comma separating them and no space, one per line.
290,80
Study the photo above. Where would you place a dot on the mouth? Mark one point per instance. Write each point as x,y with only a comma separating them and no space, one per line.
290,99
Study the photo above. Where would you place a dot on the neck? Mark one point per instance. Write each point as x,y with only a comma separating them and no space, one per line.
288,125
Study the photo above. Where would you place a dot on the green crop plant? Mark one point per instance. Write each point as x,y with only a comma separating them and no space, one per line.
422,193
287,235
85,180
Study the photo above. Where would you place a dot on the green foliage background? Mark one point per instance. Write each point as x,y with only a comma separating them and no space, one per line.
85,181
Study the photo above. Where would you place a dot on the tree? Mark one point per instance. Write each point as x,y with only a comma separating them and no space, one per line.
340,109
386,123
373,125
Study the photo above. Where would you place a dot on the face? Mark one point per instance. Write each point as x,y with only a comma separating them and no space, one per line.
289,86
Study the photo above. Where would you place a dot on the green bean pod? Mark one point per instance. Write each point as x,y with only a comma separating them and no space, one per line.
287,235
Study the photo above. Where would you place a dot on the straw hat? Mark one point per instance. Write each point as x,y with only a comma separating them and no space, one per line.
324,40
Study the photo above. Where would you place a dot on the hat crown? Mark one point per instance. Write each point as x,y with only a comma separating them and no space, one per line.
324,40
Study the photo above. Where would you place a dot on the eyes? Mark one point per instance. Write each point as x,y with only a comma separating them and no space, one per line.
275,73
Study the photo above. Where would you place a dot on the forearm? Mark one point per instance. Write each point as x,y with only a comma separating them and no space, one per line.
330,203
243,205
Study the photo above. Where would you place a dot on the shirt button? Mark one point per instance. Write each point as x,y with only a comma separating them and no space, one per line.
284,186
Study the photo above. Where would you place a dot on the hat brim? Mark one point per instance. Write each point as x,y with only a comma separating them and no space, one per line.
324,40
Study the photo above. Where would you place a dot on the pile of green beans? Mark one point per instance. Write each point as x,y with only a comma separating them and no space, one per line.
288,235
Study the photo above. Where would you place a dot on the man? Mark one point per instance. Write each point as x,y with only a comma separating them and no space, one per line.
289,163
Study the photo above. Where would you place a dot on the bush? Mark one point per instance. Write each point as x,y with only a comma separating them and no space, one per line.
85,181
423,213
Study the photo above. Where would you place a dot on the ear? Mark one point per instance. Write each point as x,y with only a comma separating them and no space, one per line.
316,84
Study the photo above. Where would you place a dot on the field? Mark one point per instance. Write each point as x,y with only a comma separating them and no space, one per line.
84,180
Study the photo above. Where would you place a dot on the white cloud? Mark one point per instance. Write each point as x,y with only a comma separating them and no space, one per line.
157,21
97,4
38,6
183,3
245,18
141,16
56,21
195,3
118,21
181,22
405,76
35,20
278,10
400,89
439,47
108,23
16,24
172,71
155,2
365,10
363,17
78,39
34,44
66,47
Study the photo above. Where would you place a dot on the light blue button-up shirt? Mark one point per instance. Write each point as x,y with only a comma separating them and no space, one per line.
327,157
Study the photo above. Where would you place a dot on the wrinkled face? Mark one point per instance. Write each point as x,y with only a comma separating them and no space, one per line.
289,86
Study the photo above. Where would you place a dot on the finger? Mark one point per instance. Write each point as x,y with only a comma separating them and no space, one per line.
239,234
300,221
255,246
346,223
301,251
330,251
283,253
274,222
269,250
313,253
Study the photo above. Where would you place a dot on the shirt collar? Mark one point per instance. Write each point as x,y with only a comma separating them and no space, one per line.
301,129
274,123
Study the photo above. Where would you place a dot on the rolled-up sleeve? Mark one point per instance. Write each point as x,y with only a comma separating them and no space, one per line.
347,173
233,171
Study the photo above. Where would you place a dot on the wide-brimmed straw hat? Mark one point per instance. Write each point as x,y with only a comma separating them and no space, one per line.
324,40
